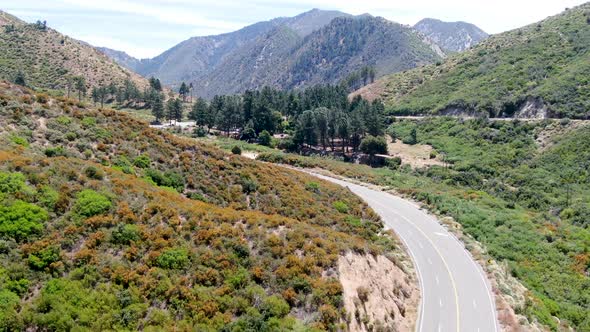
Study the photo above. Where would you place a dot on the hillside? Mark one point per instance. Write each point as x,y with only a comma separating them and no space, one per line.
451,36
108,224
540,70
123,59
199,56
283,59
47,58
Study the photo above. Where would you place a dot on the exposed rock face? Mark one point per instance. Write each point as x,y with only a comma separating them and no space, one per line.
532,108
377,294
451,36
460,112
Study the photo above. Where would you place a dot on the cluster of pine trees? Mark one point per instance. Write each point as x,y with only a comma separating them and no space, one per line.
127,94
320,117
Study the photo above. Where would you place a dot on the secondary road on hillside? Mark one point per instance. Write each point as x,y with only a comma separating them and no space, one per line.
456,296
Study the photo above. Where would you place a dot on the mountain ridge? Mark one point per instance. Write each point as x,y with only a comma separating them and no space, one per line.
236,61
47,57
451,36
541,69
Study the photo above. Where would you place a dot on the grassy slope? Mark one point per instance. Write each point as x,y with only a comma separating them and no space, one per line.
508,195
88,240
47,57
549,60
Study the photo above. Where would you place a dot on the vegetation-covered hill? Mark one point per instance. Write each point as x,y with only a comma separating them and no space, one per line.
451,36
108,224
539,70
47,58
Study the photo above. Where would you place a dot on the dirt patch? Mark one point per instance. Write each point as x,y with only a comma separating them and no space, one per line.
417,155
250,154
378,295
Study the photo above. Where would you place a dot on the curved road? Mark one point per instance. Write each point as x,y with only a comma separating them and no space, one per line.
456,296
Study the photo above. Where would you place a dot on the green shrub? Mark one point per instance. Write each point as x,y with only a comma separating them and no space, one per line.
20,286
373,145
71,136
354,221
236,150
264,138
90,203
88,122
393,163
20,219
94,173
275,306
10,319
48,197
11,183
340,207
249,185
313,187
125,234
55,151
64,120
173,259
42,259
199,132
168,179
197,197
19,140
142,161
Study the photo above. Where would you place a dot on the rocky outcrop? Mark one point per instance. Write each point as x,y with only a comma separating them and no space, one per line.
451,36
532,108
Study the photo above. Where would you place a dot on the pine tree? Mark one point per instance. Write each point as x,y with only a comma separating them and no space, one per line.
321,122
307,127
343,131
19,78
183,91
94,95
155,84
171,109
199,112
80,84
158,108
374,121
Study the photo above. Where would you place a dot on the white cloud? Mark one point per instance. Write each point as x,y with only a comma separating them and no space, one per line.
168,13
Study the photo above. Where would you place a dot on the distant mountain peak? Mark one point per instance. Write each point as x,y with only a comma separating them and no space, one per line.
451,36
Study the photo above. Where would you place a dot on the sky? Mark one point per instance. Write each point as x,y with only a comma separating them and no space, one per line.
146,28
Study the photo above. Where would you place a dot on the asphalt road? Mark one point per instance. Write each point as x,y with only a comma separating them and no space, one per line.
456,296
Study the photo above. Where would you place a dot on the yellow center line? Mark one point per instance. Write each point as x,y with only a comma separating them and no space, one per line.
439,254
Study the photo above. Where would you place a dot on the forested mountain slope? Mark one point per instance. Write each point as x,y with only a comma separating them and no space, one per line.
540,70
451,36
108,224
316,47
283,59
46,58
198,56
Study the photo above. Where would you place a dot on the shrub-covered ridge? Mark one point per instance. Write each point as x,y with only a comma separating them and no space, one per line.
107,224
